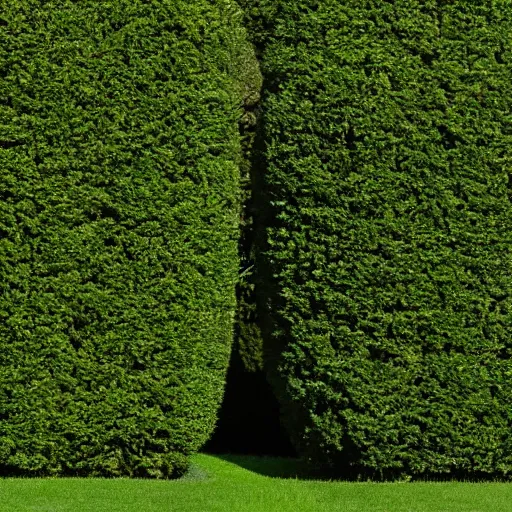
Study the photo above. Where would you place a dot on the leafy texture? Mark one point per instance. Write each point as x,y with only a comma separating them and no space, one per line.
119,220
248,341
389,230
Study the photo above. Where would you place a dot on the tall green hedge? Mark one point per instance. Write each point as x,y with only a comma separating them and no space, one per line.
119,220
389,256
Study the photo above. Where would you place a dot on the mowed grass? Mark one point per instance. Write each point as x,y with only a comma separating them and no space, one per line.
235,483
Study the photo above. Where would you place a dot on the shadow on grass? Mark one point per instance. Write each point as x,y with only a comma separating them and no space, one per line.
291,468
275,467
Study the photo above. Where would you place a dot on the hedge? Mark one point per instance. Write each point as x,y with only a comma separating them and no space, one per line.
248,342
119,220
389,228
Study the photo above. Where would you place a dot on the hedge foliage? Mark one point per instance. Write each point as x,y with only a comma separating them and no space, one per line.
248,341
119,221
389,149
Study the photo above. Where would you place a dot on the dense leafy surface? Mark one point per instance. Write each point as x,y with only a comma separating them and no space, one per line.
119,211
389,141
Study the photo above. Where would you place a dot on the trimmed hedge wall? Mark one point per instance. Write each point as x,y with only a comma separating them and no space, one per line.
389,145
119,221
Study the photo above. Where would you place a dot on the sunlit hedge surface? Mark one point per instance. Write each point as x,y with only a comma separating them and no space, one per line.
389,145
119,212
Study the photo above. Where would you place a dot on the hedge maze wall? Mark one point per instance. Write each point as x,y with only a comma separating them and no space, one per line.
389,232
375,174
119,223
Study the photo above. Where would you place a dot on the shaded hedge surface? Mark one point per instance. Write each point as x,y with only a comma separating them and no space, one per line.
389,141
248,342
119,220
259,18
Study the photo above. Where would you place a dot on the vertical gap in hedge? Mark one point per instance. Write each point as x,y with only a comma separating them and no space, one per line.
249,418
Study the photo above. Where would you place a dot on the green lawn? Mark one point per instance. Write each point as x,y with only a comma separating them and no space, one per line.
248,484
